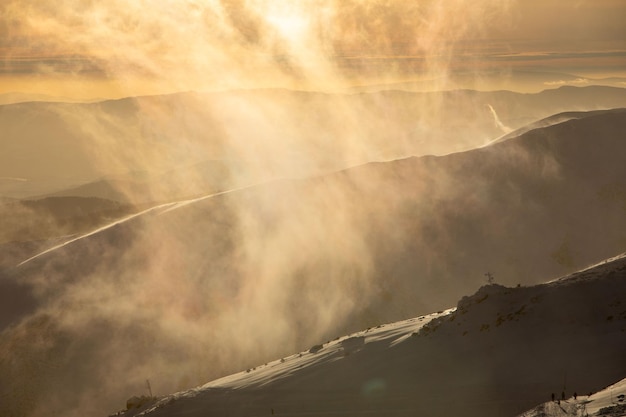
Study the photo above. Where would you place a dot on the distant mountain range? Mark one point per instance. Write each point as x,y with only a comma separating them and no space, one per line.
519,81
128,149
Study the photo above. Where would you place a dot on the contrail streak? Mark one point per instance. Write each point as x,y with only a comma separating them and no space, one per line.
158,210
100,229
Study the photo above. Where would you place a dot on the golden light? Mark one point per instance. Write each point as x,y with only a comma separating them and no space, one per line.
290,23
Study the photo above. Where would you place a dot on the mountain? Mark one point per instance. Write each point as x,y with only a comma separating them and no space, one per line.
188,291
28,227
51,217
144,189
543,123
611,401
515,80
48,147
16,97
498,351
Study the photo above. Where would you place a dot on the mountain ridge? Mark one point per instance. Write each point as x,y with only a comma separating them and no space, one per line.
324,380
111,134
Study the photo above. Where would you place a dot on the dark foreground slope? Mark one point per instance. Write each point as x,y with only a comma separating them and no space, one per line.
187,292
501,351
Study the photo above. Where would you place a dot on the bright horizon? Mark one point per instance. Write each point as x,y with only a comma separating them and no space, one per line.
85,50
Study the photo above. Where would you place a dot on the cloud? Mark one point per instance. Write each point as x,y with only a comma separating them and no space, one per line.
13,179
232,43
34,65
577,81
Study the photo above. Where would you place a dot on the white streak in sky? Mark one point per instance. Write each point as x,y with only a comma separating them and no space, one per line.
160,209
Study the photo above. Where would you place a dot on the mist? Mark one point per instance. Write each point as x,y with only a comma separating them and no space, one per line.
255,206
195,45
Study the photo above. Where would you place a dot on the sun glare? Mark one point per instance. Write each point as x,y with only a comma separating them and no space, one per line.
290,24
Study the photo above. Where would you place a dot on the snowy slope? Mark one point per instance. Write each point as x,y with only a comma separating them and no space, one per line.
498,351
611,398
610,402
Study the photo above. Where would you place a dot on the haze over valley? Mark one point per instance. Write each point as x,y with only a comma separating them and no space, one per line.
192,190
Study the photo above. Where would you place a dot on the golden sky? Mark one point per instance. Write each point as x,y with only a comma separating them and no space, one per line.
89,49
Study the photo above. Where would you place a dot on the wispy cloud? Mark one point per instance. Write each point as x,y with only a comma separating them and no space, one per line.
13,179
51,65
577,81
228,43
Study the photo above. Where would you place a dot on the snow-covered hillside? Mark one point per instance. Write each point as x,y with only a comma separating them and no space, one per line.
498,351
609,402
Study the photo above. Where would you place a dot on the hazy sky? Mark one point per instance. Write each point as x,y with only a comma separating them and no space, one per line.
86,48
